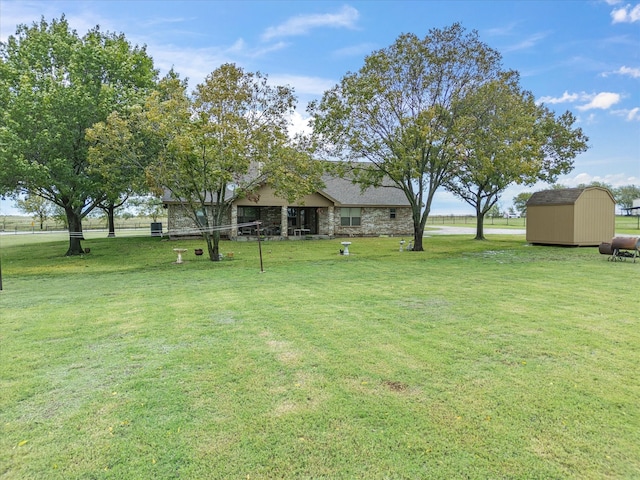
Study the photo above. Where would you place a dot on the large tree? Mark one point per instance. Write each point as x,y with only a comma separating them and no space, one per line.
520,202
37,206
208,149
54,85
399,110
121,174
504,137
625,195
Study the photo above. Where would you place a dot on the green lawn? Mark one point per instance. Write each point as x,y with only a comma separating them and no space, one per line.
473,360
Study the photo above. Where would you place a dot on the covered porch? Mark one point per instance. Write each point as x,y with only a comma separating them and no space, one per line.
281,221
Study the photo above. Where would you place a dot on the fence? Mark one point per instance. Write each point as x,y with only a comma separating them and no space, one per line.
471,220
22,225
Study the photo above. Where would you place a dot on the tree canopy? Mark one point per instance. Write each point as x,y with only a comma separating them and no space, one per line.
441,111
208,149
398,111
626,194
506,138
54,85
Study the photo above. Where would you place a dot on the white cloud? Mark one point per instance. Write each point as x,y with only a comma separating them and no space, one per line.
565,98
192,63
503,30
590,119
633,114
346,17
632,72
27,13
629,115
528,42
626,14
615,180
299,124
602,101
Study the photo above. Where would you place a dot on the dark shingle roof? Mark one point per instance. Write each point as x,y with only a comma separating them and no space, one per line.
344,192
565,196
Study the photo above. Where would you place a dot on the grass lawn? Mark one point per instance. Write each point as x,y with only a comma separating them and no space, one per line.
489,359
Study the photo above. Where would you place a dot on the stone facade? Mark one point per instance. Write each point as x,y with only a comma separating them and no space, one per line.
341,209
180,223
374,221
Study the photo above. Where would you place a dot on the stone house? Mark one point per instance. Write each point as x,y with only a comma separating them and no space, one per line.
340,209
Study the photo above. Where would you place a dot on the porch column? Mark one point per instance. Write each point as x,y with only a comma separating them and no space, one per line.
233,234
284,221
331,220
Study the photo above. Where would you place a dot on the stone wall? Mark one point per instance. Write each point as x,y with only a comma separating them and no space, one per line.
376,221
179,223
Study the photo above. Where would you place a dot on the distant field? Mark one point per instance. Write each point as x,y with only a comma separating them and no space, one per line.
624,223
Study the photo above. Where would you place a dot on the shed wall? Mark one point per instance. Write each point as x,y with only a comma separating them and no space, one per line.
595,218
588,220
552,224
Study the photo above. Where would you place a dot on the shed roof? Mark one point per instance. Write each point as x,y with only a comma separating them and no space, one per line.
565,196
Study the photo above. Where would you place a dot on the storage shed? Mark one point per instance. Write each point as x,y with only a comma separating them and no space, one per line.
571,216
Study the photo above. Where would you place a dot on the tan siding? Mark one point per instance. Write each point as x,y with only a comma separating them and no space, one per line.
550,224
589,220
595,218
267,197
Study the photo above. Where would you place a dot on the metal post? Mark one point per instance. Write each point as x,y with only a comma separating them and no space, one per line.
259,245
2,198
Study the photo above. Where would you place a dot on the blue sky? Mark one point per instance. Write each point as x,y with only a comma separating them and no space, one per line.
577,55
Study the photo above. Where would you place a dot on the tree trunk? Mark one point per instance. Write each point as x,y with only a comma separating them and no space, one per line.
419,222
75,233
479,224
418,234
213,245
111,221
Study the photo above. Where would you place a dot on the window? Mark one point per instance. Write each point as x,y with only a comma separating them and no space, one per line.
392,213
248,214
350,217
201,217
